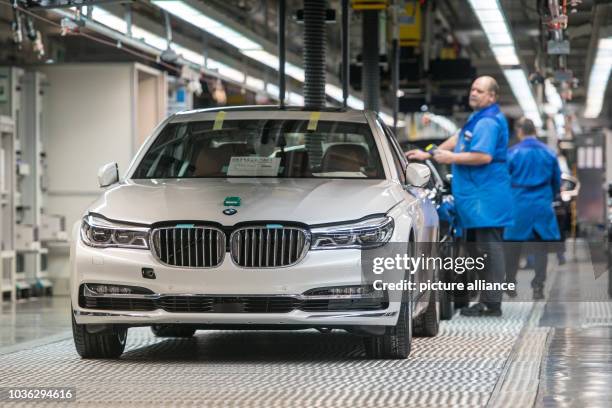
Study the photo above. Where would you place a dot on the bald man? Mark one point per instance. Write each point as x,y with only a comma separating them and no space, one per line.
481,185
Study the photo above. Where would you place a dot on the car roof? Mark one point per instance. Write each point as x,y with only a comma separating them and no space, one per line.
271,112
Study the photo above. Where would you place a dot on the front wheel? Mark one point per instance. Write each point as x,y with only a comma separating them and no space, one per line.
395,343
428,323
98,345
447,307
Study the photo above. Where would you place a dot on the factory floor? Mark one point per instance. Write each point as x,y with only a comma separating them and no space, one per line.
553,353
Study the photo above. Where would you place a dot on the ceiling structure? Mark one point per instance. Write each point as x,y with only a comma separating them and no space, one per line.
528,21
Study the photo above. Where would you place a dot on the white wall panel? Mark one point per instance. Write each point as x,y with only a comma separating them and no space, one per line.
89,120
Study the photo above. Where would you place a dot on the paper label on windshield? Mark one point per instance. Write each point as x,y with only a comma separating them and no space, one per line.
253,166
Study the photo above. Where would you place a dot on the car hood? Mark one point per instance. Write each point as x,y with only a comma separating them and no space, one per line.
310,201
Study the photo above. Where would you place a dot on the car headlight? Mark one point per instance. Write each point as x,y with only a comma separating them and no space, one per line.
371,233
101,233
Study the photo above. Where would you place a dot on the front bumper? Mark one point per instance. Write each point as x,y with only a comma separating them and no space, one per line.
318,269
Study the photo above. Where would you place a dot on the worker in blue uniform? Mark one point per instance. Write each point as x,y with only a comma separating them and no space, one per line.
481,185
536,179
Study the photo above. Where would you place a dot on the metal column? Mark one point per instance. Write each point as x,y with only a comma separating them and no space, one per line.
370,56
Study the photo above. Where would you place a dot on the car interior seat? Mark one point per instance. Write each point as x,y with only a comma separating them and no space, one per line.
344,157
211,160
295,163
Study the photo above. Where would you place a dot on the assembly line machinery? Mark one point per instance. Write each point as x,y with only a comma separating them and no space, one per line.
24,222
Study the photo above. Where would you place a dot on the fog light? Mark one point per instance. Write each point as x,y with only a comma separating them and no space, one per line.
356,290
104,289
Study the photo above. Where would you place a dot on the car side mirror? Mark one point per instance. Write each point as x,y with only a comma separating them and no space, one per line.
417,174
108,174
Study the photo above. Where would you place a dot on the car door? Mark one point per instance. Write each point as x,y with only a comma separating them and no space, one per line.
426,227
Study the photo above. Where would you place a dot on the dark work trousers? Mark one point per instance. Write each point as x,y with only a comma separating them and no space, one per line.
513,255
489,241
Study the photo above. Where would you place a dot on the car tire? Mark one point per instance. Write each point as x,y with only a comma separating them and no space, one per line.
98,345
447,308
395,344
161,330
428,323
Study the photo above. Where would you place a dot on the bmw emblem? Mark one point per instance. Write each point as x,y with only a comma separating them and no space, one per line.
230,211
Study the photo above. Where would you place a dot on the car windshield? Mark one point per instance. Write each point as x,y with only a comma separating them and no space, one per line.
262,148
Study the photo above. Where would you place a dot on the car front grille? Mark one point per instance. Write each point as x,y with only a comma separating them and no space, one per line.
226,304
195,304
265,247
190,247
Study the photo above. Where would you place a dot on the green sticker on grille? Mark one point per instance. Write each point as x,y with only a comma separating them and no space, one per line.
273,226
231,202
184,225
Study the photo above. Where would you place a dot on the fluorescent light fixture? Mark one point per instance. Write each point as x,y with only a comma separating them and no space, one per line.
598,79
111,21
271,60
355,103
388,119
559,120
272,90
205,23
225,70
255,83
522,92
296,99
505,55
494,24
246,46
483,4
188,54
335,93
502,38
490,16
552,96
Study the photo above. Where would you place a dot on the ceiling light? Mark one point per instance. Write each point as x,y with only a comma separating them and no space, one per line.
491,15
598,79
205,23
104,17
522,92
272,61
225,70
483,4
272,90
255,83
505,55
388,119
296,99
552,96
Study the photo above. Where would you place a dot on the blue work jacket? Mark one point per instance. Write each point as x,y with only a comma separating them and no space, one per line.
536,179
482,192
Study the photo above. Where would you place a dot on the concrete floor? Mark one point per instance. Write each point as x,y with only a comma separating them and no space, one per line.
556,353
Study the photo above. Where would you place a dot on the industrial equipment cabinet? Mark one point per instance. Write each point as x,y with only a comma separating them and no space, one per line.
8,278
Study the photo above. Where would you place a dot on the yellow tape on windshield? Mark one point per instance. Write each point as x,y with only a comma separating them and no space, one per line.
314,120
219,121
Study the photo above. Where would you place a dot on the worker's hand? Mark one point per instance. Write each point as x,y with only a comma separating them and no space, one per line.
417,154
444,156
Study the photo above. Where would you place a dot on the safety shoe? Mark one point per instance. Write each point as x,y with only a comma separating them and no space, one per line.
561,258
538,293
480,309
511,293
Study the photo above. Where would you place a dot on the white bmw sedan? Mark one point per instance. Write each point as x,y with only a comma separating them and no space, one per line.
252,218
